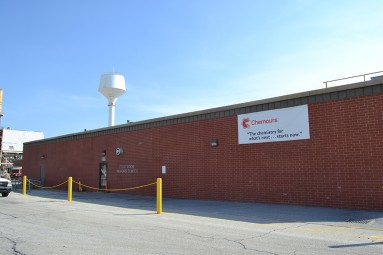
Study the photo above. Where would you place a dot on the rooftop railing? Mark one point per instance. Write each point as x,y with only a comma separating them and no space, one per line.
356,77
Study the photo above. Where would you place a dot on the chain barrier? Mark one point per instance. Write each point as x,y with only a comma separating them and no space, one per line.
44,187
125,189
70,188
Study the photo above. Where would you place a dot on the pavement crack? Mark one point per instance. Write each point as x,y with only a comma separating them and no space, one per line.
244,246
14,246
199,236
9,215
277,230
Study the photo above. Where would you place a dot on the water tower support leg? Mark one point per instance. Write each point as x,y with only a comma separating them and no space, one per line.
111,114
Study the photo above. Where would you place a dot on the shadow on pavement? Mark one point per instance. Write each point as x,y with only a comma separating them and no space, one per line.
354,245
236,211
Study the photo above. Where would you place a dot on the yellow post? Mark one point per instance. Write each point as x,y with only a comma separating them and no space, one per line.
24,185
70,189
159,195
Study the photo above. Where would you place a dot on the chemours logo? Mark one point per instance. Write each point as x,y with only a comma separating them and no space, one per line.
245,122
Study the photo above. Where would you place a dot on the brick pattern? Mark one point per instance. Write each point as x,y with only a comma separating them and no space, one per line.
340,166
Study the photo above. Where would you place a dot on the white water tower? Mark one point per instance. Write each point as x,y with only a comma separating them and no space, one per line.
112,85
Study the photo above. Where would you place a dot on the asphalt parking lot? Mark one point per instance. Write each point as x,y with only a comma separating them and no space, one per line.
44,222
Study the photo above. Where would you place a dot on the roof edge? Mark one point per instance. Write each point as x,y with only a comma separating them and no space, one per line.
227,107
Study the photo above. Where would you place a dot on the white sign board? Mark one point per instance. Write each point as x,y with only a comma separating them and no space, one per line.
274,126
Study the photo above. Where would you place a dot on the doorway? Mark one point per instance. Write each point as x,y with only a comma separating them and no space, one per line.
42,174
103,176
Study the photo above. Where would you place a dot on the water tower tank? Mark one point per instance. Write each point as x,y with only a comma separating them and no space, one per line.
112,85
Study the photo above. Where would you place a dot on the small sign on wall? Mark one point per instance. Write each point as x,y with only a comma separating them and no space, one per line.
127,169
163,169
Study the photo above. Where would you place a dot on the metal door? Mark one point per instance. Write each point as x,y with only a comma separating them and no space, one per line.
103,175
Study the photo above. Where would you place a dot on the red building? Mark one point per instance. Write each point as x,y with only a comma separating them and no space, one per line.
322,148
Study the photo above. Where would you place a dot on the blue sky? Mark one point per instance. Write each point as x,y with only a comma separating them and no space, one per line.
177,56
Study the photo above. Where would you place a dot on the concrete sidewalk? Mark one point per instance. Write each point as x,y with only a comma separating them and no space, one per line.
234,211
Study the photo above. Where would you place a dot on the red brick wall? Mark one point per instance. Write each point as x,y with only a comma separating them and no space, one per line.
340,166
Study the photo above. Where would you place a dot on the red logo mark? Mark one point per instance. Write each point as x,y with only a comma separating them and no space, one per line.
244,123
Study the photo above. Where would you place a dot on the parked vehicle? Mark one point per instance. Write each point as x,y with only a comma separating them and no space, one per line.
5,187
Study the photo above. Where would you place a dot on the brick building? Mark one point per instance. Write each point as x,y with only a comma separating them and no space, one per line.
339,163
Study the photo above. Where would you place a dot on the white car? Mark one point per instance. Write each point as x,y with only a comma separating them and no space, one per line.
5,187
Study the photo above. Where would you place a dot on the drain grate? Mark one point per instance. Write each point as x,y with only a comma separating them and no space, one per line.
358,221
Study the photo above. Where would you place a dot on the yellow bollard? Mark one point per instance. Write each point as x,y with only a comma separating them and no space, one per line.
24,185
159,195
69,189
